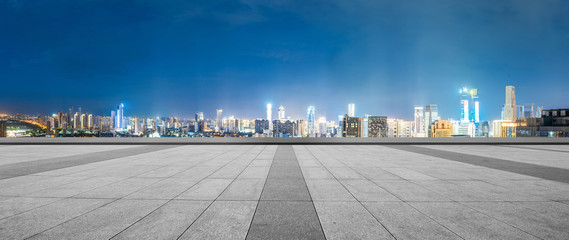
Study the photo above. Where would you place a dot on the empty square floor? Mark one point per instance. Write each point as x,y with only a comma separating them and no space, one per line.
284,192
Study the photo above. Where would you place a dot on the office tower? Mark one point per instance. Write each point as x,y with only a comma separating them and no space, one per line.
119,122
83,121
198,121
441,128
377,126
353,127
322,126
418,130
261,125
431,115
300,128
469,106
510,110
136,125
113,119
90,122
76,121
270,117
219,121
351,110
281,113
310,119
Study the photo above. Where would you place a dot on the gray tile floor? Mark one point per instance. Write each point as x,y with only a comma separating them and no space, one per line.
284,192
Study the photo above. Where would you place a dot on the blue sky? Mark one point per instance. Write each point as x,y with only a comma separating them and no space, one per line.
180,57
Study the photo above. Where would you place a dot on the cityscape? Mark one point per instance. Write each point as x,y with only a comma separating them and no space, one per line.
517,120
294,120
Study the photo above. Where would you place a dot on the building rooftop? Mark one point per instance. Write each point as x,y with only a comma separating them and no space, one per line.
91,190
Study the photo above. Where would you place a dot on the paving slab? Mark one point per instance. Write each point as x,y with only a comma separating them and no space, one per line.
46,217
167,222
285,220
207,189
405,222
103,222
223,220
349,220
468,223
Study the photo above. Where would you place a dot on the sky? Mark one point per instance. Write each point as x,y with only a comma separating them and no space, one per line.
176,58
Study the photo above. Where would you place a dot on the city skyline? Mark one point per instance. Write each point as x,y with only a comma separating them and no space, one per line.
386,57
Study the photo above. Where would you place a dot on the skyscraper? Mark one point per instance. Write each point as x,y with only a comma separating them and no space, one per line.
270,117
351,110
510,109
219,120
199,120
469,106
431,115
310,120
418,130
281,113
120,117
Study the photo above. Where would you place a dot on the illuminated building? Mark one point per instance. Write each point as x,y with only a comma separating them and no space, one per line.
270,117
113,119
469,106
281,114
311,128
377,126
353,127
441,128
119,122
504,128
529,111
351,110
219,121
198,122
510,110
431,115
418,128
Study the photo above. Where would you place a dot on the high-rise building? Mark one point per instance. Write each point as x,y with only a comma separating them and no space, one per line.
469,106
510,109
113,119
198,120
351,110
120,117
418,129
270,117
353,127
311,128
281,113
431,115
377,126
219,121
